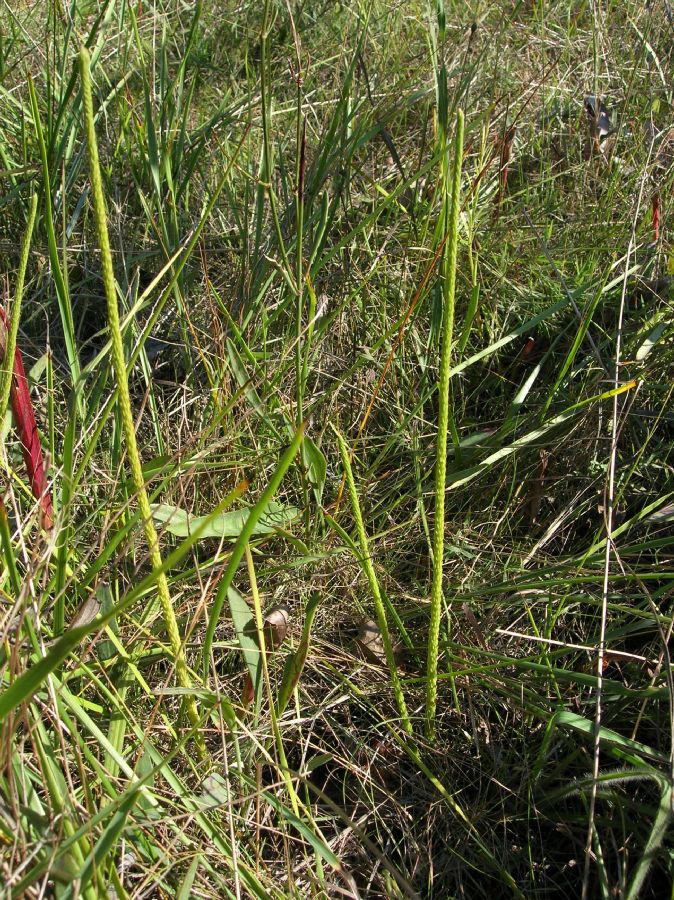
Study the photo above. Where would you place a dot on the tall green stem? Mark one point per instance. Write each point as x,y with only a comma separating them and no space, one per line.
366,562
123,397
443,426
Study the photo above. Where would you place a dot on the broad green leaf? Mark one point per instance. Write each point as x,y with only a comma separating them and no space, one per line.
227,525
607,735
650,342
215,792
521,396
316,466
246,633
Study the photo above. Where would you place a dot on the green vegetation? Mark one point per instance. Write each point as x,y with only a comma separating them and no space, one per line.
348,330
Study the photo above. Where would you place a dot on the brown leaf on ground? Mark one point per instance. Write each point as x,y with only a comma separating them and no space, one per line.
369,642
87,612
275,631
276,626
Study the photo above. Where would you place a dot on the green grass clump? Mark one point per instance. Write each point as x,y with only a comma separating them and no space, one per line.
219,677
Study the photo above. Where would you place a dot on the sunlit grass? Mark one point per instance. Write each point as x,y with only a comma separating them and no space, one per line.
291,267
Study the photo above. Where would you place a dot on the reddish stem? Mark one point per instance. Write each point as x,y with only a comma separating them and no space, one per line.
26,426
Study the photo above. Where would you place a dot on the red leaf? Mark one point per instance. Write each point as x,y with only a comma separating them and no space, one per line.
26,426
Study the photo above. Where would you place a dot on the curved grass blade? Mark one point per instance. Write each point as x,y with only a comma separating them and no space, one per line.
295,662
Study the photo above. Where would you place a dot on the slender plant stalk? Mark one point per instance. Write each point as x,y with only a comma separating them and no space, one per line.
366,562
299,278
267,157
300,172
443,427
124,399
301,352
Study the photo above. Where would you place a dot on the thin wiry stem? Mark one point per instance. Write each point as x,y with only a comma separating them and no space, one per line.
609,506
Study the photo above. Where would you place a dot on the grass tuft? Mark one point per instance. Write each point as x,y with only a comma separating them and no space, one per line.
246,660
